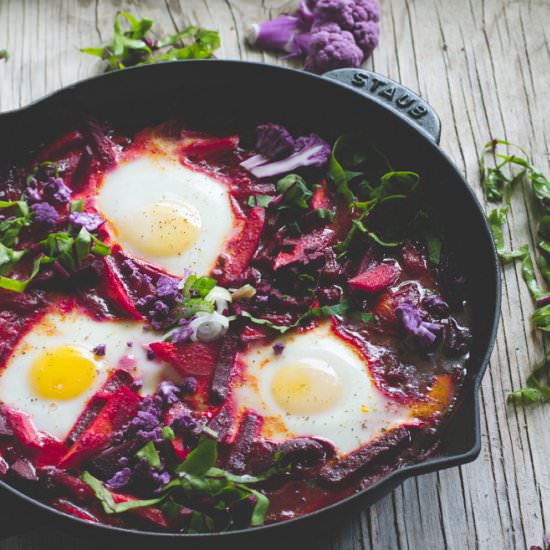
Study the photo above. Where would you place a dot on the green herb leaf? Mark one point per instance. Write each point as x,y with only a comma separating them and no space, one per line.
82,244
202,457
150,453
259,200
295,191
17,285
133,46
497,218
107,500
4,54
535,391
168,433
8,258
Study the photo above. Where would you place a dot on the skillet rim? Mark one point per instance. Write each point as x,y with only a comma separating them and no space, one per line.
397,476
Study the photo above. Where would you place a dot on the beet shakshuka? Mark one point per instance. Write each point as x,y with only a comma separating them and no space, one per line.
208,332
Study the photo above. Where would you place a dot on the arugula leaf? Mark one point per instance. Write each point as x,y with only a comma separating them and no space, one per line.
259,200
82,244
107,500
150,453
76,206
295,191
336,172
528,273
534,391
134,46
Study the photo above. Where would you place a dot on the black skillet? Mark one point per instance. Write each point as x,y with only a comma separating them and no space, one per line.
236,96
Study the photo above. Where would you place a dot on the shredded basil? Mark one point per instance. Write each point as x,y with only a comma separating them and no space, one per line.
107,500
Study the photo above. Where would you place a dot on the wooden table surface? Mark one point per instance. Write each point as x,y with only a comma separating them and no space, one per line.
484,66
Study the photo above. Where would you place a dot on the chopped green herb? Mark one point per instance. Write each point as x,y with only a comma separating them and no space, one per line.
137,46
295,191
150,453
4,54
259,200
168,433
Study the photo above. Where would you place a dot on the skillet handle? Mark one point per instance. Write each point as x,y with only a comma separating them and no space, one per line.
393,96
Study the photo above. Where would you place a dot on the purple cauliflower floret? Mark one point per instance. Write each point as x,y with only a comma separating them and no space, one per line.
424,332
169,392
45,213
56,192
360,17
273,142
310,151
367,34
328,33
32,193
332,48
89,220
100,350
160,308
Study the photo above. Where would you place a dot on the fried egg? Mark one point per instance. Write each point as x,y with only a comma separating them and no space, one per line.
319,386
57,367
164,212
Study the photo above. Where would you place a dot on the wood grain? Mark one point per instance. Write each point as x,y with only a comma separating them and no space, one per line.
484,66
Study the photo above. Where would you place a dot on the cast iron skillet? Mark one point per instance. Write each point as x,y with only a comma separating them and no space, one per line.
233,95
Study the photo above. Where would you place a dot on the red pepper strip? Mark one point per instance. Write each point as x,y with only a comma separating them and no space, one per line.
72,509
239,250
321,198
45,448
199,149
153,515
189,359
115,288
118,378
118,410
376,278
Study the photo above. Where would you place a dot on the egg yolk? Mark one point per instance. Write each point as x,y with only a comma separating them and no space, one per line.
165,228
307,386
63,373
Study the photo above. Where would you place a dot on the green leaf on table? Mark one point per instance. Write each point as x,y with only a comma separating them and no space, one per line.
535,390
134,45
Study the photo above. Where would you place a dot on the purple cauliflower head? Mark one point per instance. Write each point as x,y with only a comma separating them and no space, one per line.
45,213
89,220
332,48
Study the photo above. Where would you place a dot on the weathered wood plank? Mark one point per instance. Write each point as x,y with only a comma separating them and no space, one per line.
484,66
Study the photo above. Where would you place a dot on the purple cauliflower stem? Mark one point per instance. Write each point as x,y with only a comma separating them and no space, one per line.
273,142
329,34
309,151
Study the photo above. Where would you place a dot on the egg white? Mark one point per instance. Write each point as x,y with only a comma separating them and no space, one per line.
359,414
135,184
55,329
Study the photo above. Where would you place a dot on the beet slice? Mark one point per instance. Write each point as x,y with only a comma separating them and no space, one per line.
304,246
189,359
221,379
240,249
223,421
249,429
118,410
376,278
414,262
379,451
